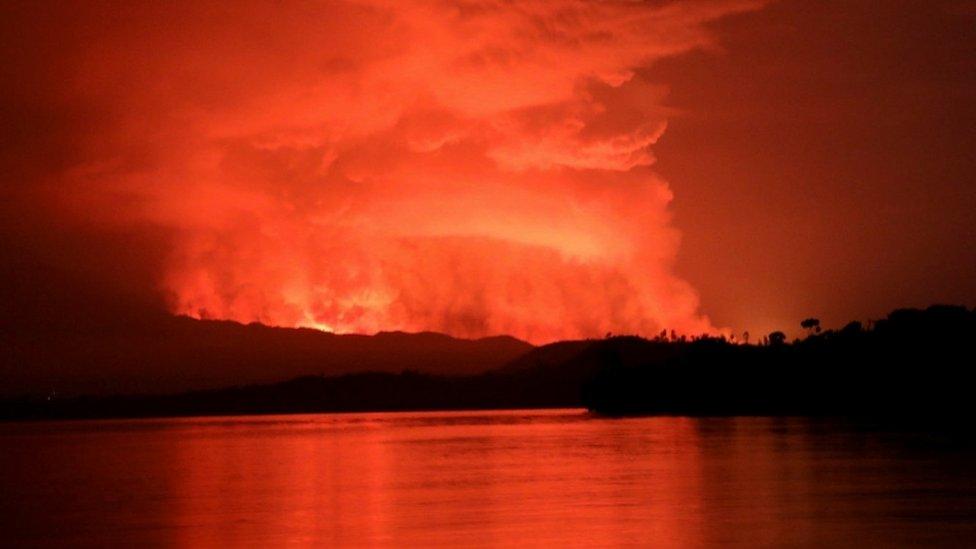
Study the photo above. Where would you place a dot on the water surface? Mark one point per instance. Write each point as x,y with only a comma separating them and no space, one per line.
554,477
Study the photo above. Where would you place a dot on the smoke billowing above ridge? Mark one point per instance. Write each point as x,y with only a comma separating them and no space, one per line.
469,167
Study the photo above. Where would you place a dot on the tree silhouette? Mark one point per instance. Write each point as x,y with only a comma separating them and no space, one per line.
910,368
811,325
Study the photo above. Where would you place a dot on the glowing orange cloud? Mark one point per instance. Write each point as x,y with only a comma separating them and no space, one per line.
473,167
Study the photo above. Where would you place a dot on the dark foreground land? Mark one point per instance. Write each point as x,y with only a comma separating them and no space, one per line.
912,365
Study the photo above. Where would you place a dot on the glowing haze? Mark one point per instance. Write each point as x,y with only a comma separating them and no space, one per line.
473,167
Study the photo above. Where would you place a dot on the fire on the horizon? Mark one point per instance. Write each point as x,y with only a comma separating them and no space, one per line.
360,166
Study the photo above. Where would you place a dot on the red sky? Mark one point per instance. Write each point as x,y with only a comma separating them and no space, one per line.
544,169
823,163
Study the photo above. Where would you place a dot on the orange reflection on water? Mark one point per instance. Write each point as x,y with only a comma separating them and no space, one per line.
446,479
499,478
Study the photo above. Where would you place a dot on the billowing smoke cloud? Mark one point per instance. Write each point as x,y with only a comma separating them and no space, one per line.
473,167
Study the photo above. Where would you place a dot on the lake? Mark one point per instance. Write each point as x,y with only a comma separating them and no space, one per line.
498,478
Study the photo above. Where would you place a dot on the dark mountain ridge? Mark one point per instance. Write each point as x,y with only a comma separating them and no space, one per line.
176,354
913,366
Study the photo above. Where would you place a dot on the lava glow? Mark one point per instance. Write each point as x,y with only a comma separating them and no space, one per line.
472,167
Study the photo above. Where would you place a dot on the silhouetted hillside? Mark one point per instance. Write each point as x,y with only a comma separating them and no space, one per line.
913,364
178,354
95,330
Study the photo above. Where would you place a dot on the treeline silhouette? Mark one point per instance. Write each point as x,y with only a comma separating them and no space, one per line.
912,364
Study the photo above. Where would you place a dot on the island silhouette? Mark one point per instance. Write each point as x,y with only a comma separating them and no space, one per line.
912,364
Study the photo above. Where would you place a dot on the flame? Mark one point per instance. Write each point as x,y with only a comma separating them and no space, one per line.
473,168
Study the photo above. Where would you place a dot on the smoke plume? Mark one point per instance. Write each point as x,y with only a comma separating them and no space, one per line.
475,167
